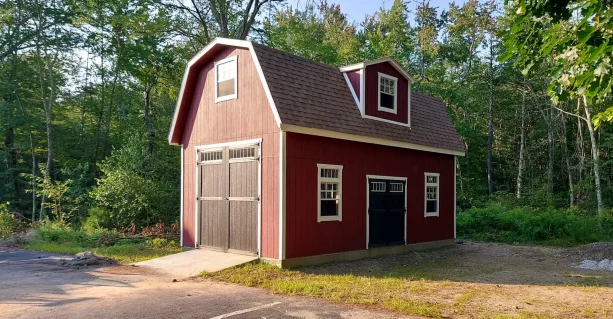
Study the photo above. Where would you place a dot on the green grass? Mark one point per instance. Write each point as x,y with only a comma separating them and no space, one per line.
122,253
393,293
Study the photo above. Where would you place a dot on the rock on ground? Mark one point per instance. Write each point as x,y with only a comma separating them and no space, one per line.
605,264
87,258
594,251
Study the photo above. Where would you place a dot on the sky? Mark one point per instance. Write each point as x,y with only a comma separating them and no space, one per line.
356,10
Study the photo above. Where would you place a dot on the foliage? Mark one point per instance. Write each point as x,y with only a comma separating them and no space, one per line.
9,224
98,218
560,227
574,38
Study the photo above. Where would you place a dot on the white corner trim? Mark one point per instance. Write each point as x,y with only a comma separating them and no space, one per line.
181,190
389,77
282,194
188,68
366,139
438,194
363,92
355,97
216,84
339,181
260,199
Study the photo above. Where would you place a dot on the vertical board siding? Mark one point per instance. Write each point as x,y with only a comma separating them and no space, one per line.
371,88
354,79
247,117
307,237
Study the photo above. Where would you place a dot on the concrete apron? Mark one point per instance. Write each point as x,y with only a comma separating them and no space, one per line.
192,262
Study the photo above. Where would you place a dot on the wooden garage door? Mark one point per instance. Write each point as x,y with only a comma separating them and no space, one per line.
386,212
228,200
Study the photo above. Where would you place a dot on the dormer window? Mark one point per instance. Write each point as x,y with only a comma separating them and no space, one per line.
387,93
225,79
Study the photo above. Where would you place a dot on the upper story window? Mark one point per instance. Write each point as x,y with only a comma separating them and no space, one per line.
225,79
387,93
329,192
432,194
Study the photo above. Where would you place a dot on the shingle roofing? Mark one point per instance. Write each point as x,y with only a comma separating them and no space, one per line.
315,95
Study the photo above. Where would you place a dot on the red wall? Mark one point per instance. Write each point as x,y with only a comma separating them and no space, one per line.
371,86
354,79
247,117
306,237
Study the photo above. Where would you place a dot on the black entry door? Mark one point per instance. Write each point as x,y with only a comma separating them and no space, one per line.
386,211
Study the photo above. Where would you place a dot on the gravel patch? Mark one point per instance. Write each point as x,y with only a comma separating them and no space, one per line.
86,259
594,251
597,265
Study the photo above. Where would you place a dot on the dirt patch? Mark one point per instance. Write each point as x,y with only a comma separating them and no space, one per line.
594,251
88,259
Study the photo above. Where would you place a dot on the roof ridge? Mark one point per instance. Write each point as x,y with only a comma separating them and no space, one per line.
265,47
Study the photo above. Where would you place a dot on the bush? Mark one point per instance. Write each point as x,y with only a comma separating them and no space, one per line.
7,222
58,232
98,219
161,243
561,227
109,237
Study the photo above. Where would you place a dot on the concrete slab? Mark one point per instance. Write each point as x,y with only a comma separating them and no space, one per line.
192,262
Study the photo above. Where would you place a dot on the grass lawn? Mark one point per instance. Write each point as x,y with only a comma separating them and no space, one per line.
122,253
467,281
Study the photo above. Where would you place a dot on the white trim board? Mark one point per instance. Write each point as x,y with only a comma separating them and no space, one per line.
395,80
363,65
366,139
438,194
258,142
182,186
406,209
188,69
339,190
355,97
282,202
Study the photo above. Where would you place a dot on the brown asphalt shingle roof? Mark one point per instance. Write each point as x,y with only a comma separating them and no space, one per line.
316,95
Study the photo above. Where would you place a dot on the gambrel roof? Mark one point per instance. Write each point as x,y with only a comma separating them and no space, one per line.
314,98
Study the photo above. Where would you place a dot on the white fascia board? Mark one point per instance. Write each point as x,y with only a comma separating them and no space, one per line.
229,42
366,139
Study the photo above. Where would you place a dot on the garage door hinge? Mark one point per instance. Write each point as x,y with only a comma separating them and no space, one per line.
258,198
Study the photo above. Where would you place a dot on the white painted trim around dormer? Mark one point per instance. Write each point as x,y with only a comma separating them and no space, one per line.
366,139
363,65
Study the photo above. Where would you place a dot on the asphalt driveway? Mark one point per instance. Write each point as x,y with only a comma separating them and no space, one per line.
36,285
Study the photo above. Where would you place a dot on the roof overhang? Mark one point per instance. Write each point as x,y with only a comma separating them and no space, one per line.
362,65
191,74
367,139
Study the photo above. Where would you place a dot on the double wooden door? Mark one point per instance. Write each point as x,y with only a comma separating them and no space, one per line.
228,198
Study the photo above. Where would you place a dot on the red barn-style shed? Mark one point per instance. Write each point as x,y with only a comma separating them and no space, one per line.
300,162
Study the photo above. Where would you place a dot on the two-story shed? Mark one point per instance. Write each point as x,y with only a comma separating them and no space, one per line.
300,162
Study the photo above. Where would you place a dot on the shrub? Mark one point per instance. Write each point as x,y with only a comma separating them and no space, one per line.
528,225
161,243
98,219
109,237
7,222
59,232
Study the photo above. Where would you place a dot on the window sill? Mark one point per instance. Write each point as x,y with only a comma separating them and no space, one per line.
329,219
431,215
225,98
385,109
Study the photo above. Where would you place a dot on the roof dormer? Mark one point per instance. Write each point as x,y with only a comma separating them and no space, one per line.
381,89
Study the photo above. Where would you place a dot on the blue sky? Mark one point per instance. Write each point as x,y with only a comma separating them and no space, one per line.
358,9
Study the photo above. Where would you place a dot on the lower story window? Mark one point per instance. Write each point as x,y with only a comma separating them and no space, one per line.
431,202
329,192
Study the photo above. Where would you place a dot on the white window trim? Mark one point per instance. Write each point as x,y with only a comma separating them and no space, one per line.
338,180
438,194
379,107
232,96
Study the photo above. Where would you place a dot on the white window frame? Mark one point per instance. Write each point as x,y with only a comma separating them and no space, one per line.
338,181
232,59
438,194
379,107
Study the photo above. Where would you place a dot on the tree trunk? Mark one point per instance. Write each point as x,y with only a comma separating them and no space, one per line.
490,131
595,159
568,166
580,147
522,143
550,147
148,125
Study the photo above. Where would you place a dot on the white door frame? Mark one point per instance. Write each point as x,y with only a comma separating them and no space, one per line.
251,142
406,211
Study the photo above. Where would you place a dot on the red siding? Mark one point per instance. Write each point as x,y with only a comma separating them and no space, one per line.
247,117
307,237
354,79
371,86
